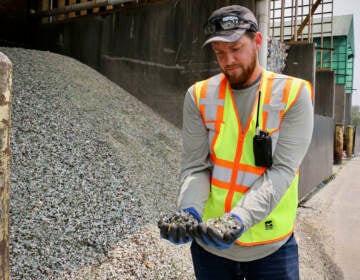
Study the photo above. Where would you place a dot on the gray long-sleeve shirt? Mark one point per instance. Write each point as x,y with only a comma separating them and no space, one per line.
294,139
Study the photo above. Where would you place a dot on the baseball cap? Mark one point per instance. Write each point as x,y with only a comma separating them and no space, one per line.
229,23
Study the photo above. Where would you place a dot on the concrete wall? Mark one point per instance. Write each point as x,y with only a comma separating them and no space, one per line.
300,62
357,141
325,93
12,11
169,57
154,51
14,22
340,104
318,162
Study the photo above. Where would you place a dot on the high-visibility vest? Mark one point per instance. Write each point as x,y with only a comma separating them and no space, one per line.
231,150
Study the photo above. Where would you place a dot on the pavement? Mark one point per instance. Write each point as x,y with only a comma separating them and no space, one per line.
338,217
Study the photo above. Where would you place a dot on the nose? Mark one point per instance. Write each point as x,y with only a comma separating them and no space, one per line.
229,59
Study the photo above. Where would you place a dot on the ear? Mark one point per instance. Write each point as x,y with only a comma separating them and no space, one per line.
258,40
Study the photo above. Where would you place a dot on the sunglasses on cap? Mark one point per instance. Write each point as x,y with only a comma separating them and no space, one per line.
229,22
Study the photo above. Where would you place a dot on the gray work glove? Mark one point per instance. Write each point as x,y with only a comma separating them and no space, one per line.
220,233
176,227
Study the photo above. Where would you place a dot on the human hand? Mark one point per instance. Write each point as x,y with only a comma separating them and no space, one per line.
175,227
220,233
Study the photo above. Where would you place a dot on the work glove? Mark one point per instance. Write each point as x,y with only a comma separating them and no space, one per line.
219,233
175,228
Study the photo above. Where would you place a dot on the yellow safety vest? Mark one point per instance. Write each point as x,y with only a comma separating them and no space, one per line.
231,150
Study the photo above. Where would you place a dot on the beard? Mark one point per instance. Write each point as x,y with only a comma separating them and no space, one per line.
240,77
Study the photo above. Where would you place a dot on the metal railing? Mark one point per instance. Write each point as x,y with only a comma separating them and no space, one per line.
301,21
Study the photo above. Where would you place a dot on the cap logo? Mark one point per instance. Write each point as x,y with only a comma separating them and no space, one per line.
228,22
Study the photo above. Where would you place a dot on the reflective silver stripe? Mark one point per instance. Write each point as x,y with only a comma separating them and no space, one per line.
276,104
211,101
211,137
246,178
222,173
243,178
277,90
273,119
211,106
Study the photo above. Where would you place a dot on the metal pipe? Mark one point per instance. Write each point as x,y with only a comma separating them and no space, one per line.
272,16
296,20
262,13
82,6
282,21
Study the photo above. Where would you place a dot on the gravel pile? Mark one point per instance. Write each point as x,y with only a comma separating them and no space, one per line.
91,167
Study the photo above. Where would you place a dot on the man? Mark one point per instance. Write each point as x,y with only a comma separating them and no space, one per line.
245,133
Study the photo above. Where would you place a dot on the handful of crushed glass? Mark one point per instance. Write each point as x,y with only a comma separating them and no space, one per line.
224,224
179,218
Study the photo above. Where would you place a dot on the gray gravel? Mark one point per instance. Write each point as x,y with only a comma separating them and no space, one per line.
92,168
90,164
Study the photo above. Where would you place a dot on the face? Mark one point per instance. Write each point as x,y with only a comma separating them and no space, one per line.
238,60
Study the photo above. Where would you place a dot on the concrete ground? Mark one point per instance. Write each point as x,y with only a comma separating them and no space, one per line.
333,213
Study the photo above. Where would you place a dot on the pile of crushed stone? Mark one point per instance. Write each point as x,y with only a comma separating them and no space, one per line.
90,165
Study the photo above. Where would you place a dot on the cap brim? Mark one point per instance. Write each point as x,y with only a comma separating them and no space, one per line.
226,36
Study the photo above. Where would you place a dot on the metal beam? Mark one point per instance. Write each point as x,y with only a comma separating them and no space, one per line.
82,6
307,19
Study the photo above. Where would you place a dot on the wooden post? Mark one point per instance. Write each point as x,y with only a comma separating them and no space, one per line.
44,6
349,140
72,14
5,107
95,10
83,12
339,143
61,3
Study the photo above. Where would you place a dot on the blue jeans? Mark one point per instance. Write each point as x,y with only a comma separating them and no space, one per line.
281,265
